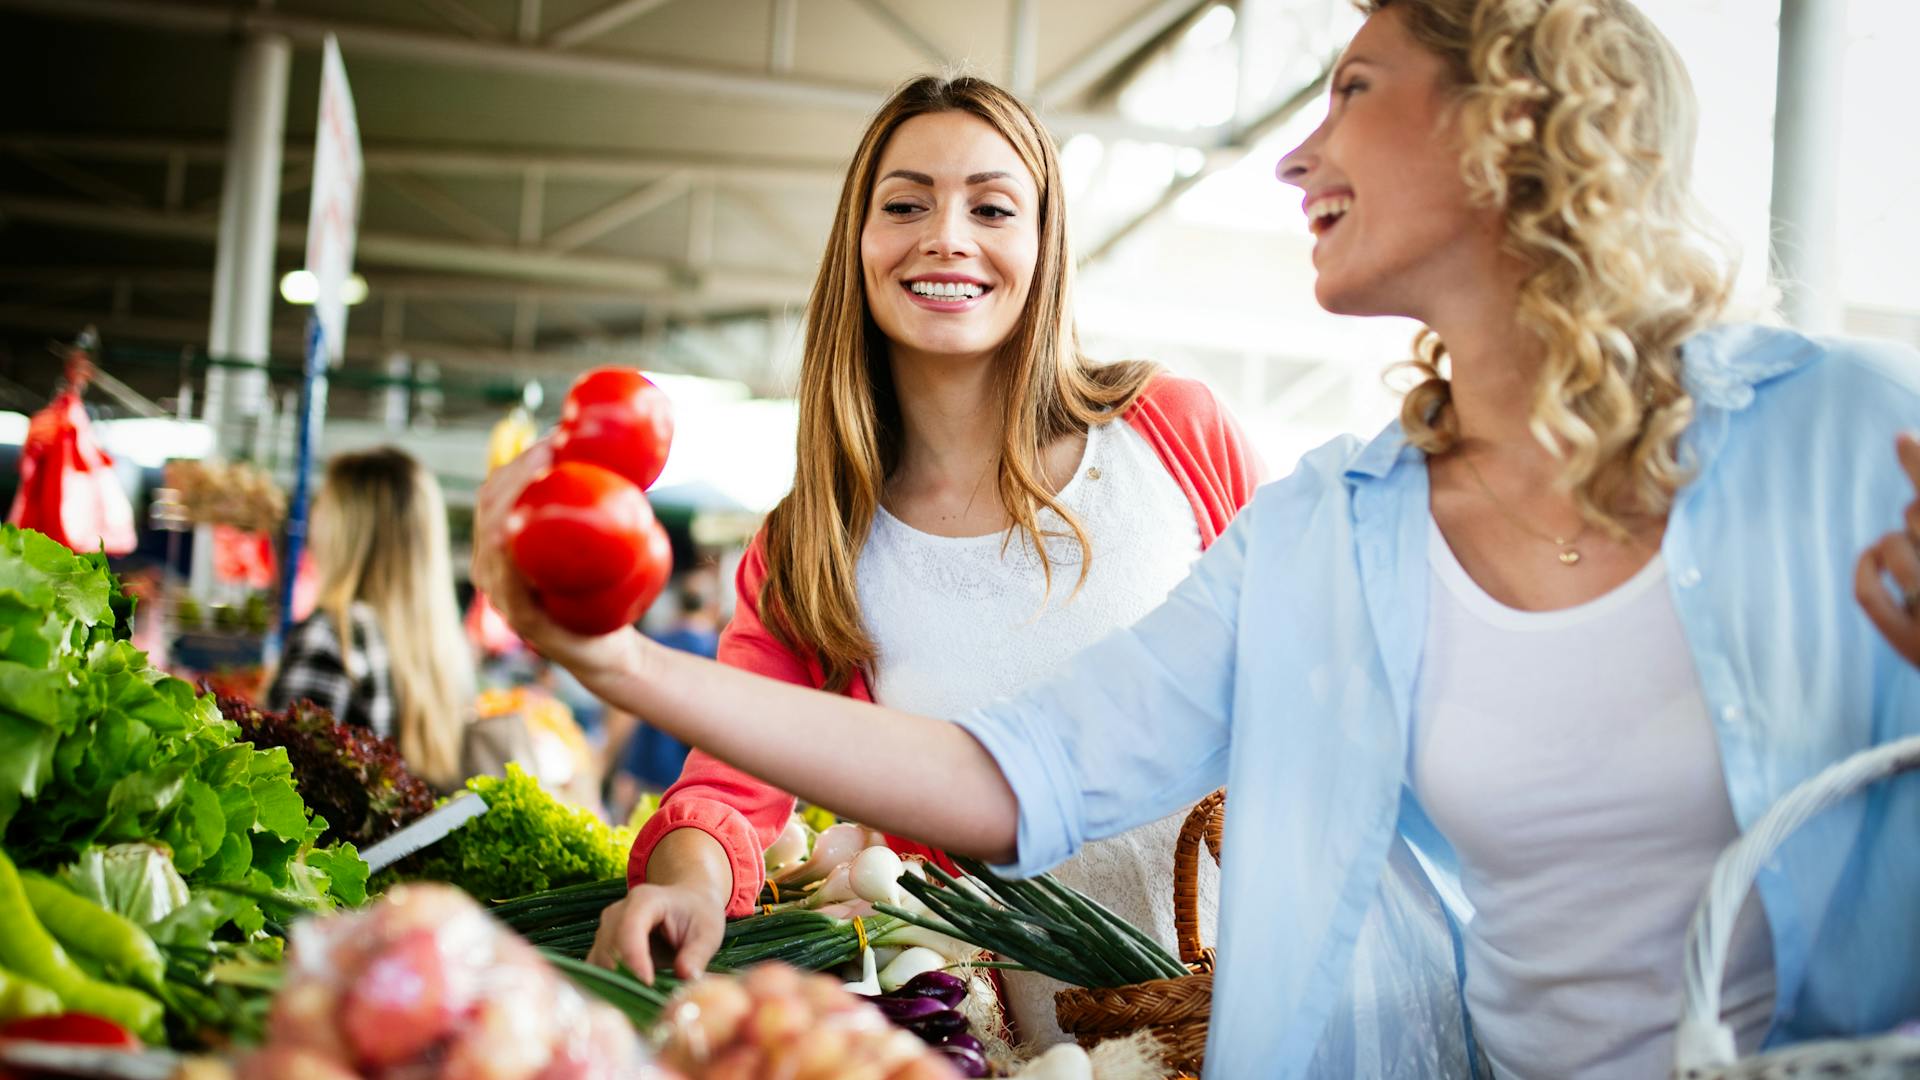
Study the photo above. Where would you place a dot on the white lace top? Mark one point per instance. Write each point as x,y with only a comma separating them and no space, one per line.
958,623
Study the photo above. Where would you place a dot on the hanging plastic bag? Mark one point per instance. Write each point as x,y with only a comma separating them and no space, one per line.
67,486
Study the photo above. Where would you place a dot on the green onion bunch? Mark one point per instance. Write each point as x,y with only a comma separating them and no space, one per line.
1041,924
564,921
639,1003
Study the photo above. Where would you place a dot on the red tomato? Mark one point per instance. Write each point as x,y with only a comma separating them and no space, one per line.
397,1009
602,611
614,418
578,528
73,1029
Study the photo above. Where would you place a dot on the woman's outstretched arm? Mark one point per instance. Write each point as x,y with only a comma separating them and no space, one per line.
906,774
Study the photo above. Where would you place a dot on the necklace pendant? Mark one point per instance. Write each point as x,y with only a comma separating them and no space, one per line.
1569,557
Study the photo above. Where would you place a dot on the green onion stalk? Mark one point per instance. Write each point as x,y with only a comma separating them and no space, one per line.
1039,923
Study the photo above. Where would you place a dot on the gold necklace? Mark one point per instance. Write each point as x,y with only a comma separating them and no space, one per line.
1569,555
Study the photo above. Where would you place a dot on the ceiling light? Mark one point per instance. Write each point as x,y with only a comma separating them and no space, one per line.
301,287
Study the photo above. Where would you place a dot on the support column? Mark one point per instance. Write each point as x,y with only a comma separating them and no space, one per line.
243,283
1256,40
1806,170
1024,49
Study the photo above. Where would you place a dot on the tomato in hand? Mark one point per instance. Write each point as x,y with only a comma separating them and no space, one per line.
602,611
615,418
578,528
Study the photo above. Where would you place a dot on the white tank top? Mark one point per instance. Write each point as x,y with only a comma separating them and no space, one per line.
1568,758
958,623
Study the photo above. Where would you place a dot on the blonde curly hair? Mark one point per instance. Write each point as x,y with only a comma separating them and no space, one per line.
1578,119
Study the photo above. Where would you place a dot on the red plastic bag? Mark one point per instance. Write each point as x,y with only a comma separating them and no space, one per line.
67,486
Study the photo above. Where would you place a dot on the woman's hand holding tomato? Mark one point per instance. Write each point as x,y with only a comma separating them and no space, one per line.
587,632
495,574
565,541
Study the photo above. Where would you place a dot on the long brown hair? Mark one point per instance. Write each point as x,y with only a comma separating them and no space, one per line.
850,425
380,538
1577,119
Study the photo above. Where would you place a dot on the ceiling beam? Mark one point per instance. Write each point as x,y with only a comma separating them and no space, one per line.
449,160
611,17
526,323
621,211
533,202
1116,48
457,323
904,31
62,281
81,180
286,339
663,282
462,18
376,39
444,208
176,189
289,339
501,56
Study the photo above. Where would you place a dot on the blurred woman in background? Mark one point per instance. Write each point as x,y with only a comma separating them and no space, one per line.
384,647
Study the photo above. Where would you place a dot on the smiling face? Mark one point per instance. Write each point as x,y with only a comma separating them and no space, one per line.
1393,222
951,238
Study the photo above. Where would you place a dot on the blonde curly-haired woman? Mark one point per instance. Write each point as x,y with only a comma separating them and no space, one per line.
1568,625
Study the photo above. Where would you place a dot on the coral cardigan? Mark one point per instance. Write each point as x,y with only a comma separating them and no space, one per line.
1201,446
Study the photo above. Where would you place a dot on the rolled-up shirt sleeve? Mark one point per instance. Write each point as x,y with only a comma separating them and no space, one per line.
1134,728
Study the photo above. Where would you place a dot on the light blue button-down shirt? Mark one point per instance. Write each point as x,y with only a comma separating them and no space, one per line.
1284,668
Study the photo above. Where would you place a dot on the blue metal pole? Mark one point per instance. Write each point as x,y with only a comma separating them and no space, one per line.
313,398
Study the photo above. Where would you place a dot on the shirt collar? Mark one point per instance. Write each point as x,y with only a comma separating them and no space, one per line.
1378,457
1720,366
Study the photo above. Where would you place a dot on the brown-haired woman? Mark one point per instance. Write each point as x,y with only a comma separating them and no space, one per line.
974,502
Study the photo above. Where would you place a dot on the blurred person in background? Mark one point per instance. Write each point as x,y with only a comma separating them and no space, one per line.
647,759
384,647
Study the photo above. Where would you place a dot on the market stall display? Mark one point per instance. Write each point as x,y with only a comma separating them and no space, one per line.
1120,980
353,778
237,494
775,1021
421,984
527,842
160,849
146,855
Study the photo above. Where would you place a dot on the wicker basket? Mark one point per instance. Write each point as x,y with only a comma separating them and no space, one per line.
1175,1010
1703,1046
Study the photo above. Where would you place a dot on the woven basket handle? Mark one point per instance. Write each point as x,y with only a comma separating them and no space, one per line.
1204,821
1701,1039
